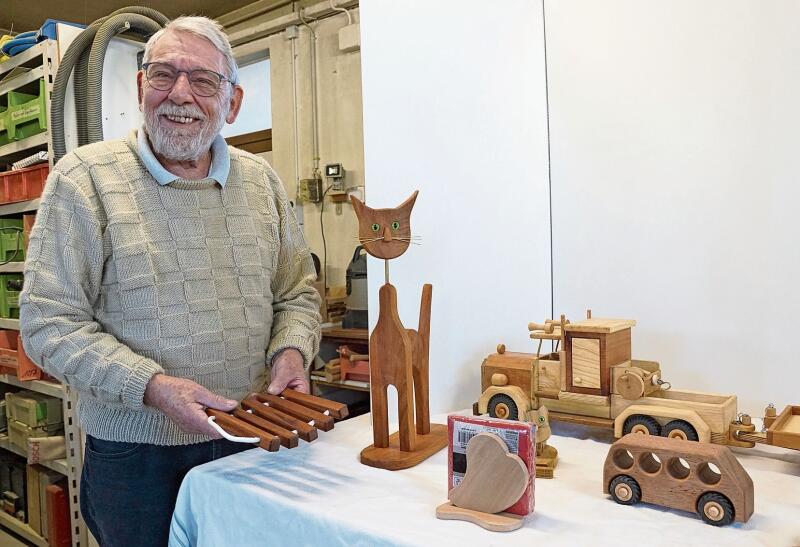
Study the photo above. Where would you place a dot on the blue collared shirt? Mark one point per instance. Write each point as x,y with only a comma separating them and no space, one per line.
220,161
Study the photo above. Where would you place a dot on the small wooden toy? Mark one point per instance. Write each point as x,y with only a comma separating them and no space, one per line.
689,476
488,484
591,379
272,421
398,356
354,366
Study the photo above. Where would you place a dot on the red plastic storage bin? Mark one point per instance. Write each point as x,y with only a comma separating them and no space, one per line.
23,184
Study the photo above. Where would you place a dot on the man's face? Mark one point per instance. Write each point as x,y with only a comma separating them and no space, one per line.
182,125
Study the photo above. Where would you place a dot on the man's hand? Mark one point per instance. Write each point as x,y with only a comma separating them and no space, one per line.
184,401
288,371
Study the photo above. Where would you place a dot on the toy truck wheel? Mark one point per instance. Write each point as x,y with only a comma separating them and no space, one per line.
644,425
625,490
715,509
679,429
502,406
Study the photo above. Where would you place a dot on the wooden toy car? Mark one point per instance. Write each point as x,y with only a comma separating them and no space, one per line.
702,478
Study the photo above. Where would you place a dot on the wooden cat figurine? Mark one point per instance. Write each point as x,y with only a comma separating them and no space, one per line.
398,356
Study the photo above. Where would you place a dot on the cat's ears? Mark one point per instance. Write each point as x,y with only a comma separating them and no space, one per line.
359,206
409,203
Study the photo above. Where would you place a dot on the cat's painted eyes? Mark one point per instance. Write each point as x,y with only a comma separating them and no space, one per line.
376,227
395,225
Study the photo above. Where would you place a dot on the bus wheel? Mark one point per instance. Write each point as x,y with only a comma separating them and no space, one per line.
625,490
715,509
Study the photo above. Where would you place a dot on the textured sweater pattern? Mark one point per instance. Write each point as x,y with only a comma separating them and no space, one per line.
126,278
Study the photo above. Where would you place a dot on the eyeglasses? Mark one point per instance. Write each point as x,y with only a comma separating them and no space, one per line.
162,76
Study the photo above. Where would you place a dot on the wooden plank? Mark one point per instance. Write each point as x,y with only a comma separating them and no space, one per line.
618,348
337,410
580,408
549,374
351,334
586,363
596,400
600,325
591,421
321,421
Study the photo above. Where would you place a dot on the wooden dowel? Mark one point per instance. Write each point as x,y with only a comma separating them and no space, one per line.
238,428
321,421
337,410
288,439
306,432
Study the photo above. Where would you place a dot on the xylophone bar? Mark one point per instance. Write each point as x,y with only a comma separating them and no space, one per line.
305,431
280,420
337,410
288,438
268,442
321,421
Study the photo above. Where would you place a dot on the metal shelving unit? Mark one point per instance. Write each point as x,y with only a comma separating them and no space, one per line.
42,62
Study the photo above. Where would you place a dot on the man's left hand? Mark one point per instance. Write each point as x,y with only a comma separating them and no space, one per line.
288,371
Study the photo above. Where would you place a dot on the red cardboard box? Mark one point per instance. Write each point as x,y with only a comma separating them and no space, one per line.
520,438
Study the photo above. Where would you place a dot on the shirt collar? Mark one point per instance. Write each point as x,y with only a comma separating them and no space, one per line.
220,160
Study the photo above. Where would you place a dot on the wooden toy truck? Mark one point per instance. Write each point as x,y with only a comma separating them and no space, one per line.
591,379
702,478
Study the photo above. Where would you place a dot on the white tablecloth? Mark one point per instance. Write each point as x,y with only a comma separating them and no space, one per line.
318,494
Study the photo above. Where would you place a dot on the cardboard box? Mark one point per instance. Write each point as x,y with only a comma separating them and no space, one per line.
34,409
19,433
34,509
46,478
58,522
520,437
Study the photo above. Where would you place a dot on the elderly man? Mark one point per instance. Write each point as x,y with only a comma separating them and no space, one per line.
165,274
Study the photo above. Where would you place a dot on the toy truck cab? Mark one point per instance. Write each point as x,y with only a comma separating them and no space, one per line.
689,476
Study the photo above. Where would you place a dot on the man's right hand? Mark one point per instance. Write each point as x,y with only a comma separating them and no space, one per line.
184,402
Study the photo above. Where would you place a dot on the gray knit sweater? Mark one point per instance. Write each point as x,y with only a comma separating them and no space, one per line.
126,278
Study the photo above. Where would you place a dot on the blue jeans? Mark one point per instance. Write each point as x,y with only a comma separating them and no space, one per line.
128,490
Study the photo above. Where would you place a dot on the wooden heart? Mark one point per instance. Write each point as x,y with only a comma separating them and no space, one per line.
495,479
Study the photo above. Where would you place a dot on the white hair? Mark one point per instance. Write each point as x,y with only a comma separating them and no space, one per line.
203,27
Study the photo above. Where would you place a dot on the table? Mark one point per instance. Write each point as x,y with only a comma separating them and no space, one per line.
318,494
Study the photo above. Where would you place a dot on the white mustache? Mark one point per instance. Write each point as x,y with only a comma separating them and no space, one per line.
165,109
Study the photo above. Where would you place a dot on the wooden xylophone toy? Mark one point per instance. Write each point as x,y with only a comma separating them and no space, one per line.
275,420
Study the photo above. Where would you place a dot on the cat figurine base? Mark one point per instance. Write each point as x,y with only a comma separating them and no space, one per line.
398,356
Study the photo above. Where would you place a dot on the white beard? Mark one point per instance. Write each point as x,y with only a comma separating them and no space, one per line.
175,143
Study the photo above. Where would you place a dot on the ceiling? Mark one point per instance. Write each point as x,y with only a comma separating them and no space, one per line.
27,15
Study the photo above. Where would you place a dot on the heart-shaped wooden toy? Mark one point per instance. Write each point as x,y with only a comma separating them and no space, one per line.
495,479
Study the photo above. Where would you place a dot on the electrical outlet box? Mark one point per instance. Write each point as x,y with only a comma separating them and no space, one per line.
310,190
292,32
350,38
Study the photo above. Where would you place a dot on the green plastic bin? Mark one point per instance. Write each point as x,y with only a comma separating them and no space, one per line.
26,114
10,287
12,247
